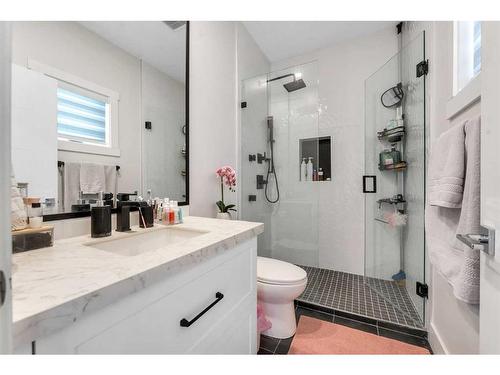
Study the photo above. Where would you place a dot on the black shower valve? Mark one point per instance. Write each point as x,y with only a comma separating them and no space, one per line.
252,157
261,158
261,181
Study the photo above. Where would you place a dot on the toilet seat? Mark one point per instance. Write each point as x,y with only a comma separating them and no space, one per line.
276,272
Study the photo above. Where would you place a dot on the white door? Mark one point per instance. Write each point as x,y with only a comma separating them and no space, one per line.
5,244
490,186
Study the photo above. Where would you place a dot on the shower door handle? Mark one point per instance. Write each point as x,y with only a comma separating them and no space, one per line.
369,184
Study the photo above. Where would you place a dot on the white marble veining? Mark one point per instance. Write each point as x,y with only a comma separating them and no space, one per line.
54,287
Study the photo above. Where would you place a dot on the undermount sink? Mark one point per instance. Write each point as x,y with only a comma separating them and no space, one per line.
139,243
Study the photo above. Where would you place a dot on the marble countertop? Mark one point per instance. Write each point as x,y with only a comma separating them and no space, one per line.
54,287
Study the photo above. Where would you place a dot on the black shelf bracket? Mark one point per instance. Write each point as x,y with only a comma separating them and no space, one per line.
3,288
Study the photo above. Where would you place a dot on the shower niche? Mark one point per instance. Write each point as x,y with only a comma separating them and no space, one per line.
318,152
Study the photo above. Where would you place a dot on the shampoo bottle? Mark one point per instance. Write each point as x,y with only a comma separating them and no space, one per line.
303,170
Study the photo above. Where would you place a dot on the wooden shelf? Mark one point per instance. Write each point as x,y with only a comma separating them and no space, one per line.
45,228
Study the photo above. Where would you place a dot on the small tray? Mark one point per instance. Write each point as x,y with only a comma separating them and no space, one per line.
32,238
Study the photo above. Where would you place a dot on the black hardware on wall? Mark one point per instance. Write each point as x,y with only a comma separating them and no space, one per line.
3,288
147,125
399,27
252,198
252,157
365,184
260,181
422,68
261,158
186,202
422,290
243,104
186,323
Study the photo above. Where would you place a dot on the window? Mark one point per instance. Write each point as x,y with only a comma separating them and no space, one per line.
87,113
82,116
467,61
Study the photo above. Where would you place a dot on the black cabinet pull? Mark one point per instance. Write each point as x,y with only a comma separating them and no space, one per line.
187,323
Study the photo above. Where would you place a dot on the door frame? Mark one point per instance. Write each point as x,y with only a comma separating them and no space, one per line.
5,170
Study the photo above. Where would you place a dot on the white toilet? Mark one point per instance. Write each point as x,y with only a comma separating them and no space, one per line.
278,284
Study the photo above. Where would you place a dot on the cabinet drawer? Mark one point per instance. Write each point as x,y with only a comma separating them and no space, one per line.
156,328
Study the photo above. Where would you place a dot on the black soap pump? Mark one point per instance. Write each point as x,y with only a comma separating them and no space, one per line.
100,219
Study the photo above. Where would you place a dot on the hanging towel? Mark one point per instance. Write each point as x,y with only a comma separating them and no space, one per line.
18,216
110,176
71,184
458,264
447,169
92,178
467,286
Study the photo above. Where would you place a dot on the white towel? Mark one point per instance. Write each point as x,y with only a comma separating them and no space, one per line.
71,178
447,169
467,286
92,178
18,214
110,175
455,261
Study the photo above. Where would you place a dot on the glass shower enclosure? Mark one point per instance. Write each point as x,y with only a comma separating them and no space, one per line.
395,181
279,128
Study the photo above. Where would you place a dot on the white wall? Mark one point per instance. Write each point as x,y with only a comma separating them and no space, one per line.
34,136
222,53
212,111
343,69
453,325
163,103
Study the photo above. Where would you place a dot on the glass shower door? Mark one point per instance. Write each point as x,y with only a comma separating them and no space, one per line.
395,155
284,117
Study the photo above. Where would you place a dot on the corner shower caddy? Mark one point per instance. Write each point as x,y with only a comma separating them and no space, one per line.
394,253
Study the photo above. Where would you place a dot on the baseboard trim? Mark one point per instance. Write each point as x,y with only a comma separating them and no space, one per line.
435,341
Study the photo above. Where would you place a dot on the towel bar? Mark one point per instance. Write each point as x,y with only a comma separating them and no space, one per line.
61,164
482,242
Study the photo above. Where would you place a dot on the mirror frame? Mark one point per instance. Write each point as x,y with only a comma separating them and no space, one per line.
74,215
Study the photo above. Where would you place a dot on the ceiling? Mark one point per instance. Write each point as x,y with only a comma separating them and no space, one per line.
280,40
152,41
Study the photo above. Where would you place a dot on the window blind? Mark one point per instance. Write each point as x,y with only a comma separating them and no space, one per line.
80,117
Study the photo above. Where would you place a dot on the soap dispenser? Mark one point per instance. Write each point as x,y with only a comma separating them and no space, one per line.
100,219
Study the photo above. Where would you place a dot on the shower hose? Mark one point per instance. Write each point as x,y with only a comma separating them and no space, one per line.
271,171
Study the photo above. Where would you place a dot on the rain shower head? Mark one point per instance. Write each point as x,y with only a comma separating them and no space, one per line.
296,84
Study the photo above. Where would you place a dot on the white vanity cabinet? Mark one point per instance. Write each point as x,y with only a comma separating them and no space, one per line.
149,321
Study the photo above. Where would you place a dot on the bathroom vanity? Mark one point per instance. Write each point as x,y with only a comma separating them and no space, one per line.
188,288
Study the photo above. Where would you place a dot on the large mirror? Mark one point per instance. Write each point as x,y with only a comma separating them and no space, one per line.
99,107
